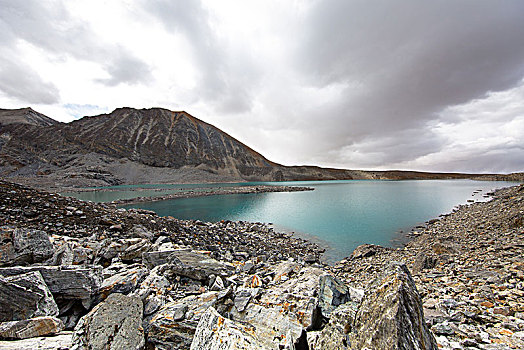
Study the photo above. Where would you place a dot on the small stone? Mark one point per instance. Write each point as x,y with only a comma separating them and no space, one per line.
242,299
505,311
218,284
487,304
443,329
505,332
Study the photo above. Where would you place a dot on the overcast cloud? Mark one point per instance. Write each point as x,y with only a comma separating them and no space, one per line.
351,84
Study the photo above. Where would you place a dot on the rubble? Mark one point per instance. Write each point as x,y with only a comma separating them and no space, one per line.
237,285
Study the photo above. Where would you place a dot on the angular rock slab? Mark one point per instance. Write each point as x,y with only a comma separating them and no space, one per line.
175,323
61,341
64,282
25,296
24,246
273,325
114,324
335,335
215,332
33,327
332,294
124,282
390,315
283,311
187,263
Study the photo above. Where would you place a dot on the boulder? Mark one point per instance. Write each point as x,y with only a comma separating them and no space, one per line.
335,335
64,255
364,251
124,282
175,323
215,332
422,262
285,310
25,296
155,258
114,324
332,293
64,282
21,246
390,315
188,263
136,250
30,328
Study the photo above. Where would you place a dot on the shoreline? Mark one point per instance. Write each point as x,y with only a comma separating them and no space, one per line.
192,193
467,265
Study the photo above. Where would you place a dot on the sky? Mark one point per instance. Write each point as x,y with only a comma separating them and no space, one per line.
357,84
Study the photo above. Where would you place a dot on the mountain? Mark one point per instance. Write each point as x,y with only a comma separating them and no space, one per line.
24,116
153,145
32,144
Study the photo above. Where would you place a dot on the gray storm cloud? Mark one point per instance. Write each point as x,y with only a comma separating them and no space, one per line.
408,60
353,84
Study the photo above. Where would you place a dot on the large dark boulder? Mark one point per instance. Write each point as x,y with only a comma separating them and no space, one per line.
113,324
25,296
22,246
390,315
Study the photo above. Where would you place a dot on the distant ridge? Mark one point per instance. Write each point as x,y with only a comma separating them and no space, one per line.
24,116
153,145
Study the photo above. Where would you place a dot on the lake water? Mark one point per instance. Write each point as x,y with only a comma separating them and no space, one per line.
341,215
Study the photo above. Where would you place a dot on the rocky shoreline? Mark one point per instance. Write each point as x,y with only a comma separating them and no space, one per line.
91,275
199,192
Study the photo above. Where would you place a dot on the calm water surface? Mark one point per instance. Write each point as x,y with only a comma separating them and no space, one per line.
339,214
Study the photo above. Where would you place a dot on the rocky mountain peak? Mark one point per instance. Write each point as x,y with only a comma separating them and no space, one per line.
24,116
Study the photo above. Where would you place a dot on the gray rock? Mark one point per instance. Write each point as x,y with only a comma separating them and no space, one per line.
364,251
423,262
175,323
335,334
24,246
64,282
242,299
64,255
124,282
30,328
197,266
25,296
136,250
142,232
218,284
390,315
61,341
215,332
332,293
286,309
113,324
156,258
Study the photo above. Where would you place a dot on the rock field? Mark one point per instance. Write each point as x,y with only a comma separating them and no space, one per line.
80,275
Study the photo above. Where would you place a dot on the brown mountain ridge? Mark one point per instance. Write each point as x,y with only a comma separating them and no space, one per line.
131,146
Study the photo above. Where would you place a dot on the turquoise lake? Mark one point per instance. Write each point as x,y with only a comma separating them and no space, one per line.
339,215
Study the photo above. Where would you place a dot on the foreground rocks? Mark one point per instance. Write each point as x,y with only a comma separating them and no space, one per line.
469,269
124,279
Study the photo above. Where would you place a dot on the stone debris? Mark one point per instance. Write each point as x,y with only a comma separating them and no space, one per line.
469,270
30,328
134,280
